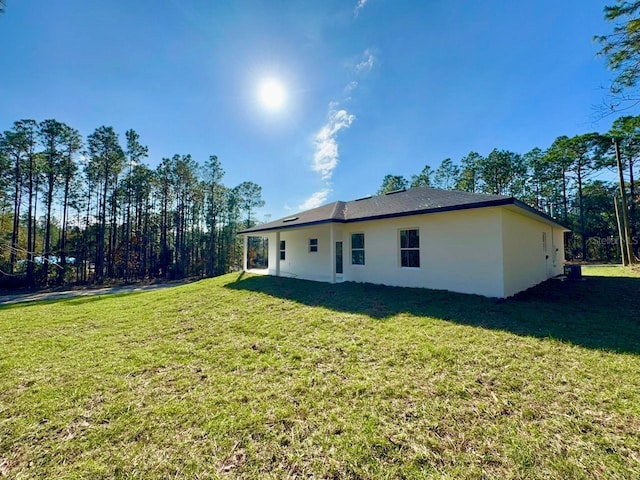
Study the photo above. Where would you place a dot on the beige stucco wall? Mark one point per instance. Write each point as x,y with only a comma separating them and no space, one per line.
492,251
459,251
299,262
528,259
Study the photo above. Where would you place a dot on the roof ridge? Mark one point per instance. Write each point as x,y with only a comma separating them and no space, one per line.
334,212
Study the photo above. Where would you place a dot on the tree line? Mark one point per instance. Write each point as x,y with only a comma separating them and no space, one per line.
568,181
76,210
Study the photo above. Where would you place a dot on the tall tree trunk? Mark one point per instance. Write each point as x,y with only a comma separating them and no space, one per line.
127,233
17,200
144,228
142,238
149,240
102,232
164,249
625,211
35,218
564,197
85,239
583,237
47,226
180,234
63,233
220,256
30,237
212,247
113,234
79,258
633,211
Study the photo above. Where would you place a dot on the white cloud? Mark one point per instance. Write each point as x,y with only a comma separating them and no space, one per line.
351,86
326,156
367,62
359,6
315,200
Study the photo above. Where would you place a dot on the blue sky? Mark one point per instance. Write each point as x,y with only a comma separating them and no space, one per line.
373,87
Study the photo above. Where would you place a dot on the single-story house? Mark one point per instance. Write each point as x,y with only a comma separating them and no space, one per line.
490,245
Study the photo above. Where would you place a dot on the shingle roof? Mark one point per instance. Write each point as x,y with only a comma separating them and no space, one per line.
419,200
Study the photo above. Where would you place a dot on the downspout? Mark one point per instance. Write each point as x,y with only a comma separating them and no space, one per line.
245,244
332,252
278,253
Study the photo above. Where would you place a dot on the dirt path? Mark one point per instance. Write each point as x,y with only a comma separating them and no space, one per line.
36,296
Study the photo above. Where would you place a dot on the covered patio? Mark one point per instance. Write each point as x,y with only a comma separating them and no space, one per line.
313,253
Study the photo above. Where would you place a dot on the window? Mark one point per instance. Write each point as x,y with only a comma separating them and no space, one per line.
313,244
357,248
410,248
282,250
544,242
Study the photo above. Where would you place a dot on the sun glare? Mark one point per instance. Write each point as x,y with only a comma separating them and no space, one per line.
272,94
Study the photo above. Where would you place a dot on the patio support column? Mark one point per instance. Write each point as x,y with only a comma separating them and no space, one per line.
332,251
277,254
245,245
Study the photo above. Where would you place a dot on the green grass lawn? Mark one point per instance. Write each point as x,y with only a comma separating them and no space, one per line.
258,377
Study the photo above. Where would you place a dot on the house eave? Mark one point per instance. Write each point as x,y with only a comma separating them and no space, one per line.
540,215
249,231
489,203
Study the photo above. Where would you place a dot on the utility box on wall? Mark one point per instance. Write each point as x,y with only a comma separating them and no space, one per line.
573,272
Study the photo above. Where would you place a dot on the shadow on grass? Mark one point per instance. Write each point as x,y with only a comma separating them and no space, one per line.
598,312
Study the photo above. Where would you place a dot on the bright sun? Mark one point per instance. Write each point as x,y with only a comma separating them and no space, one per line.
272,94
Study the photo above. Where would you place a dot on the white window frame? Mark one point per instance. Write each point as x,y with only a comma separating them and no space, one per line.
283,250
408,249
312,245
358,249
